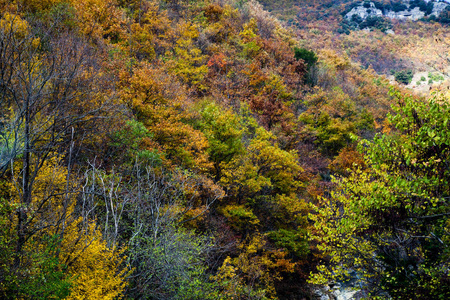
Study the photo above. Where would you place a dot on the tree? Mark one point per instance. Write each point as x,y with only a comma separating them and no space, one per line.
404,77
99,20
96,271
146,209
65,256
388,221
187,62
44,79
224,133
308,56
171,265
329,121
253,273
160,102
151,34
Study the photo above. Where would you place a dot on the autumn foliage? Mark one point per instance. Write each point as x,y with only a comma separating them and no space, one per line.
184,150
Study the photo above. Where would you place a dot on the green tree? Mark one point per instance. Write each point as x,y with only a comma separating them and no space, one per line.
404,77
168,261
389,222
308,56
224,133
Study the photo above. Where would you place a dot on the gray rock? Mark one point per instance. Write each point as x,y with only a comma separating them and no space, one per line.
438,8
413,14
336,292
364,12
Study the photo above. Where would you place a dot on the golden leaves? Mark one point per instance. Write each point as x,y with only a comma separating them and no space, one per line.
253,272
97,271
99,18
14,24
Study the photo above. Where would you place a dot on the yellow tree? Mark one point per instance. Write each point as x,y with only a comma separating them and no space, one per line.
60,257
44,97
99,19
188,62
96,271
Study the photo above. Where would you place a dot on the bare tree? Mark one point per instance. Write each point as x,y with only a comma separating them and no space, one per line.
49,90
144,209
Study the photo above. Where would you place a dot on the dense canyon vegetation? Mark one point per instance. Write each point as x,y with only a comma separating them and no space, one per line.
220,149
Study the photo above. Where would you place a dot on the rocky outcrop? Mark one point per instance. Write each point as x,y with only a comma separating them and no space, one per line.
413,14
439,7
363,12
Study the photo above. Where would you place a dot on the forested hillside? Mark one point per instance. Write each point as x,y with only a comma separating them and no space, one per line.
156,149
407,41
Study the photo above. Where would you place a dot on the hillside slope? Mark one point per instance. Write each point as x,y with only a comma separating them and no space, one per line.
390,42
156,149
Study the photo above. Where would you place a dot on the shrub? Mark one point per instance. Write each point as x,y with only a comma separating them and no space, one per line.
308,56
444,16
435,77
375,22
398,7
404,76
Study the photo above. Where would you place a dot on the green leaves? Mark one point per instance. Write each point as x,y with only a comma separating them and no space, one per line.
387,220
172,265
42,277
224,133
294,241
308,56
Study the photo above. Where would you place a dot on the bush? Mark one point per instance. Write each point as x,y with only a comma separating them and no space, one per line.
421,4
349,8
398,7
404,76
378,5
356,18
308,56
444,16
435,77
375,22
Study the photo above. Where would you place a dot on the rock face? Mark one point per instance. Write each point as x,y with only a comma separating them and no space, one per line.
364,12
413,14
439,7
409,14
